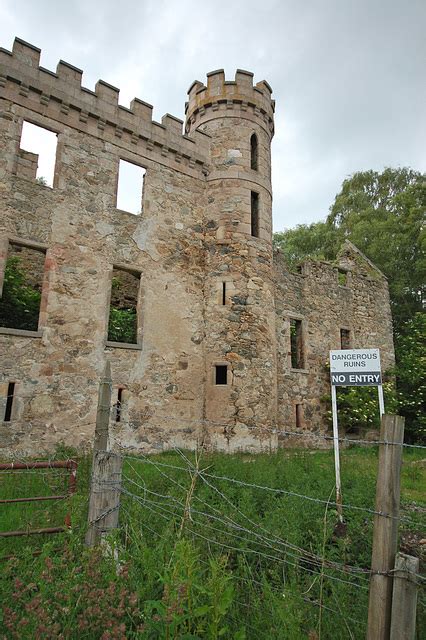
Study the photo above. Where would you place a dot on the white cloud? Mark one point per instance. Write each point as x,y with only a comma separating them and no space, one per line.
347,76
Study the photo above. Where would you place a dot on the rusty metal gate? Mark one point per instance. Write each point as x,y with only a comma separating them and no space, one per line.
72,483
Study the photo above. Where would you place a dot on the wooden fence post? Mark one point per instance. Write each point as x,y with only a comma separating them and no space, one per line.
105,486
104,502
385,527
104,407
404,599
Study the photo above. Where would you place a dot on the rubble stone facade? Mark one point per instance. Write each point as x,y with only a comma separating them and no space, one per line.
213,360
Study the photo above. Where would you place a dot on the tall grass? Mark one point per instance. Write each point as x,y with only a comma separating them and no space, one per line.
203,557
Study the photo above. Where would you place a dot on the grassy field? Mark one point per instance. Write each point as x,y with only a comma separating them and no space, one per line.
236,550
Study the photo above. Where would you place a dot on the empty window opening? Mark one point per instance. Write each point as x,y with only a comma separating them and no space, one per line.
9,402
131,179
123,314
254,214
345,339
22,285
42,142
342,277
223,293
296,344
221,374
119,405
298,415
254,152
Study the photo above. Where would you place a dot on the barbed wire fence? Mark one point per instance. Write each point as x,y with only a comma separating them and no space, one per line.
196,501
223,524
193,500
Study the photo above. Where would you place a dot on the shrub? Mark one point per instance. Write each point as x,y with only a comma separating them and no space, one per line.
20,302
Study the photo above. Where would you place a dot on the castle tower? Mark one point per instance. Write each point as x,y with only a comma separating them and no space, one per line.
240,342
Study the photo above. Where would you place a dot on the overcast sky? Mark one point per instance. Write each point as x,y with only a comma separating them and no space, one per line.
348,75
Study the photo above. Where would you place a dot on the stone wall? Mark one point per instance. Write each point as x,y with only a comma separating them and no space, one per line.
324,307
210,294
241,333
58,368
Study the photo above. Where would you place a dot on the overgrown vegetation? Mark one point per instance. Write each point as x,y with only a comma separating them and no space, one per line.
205,558
410,345
20,301
20,306
383,215
122,324
359,407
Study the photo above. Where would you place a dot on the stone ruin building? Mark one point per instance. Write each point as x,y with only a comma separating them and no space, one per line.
223,344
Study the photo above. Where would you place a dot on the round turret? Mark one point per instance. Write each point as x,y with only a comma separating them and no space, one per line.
240,341
252,102
239,118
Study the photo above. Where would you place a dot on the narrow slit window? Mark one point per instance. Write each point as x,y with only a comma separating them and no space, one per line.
221,374
345,339
254,152
296,344
37,155
254,214
22,286
298,416
119,405
123,312
9,402
131,180
223,293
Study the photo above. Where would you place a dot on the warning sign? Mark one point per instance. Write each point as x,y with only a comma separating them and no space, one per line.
355,367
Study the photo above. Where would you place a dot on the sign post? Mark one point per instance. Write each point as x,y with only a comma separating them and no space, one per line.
336,454
358,368
381,400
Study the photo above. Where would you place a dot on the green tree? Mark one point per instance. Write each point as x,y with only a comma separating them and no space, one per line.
383,215
359,407
316,240
20,302
410,348
122,325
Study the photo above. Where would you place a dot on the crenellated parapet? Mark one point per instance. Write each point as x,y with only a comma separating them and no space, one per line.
224,97
60,96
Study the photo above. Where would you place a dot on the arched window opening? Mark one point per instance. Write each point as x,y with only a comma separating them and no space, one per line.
253,152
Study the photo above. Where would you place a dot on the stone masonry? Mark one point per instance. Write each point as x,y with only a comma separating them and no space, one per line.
212,362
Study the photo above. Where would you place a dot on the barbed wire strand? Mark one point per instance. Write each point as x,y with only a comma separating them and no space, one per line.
300,495
273,430
252,581
143,458
275,538
304,554
249,551
277,430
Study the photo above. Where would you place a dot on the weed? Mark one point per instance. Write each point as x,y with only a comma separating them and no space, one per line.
201,559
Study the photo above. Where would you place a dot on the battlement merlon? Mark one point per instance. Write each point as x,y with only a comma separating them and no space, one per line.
221,94
61,96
